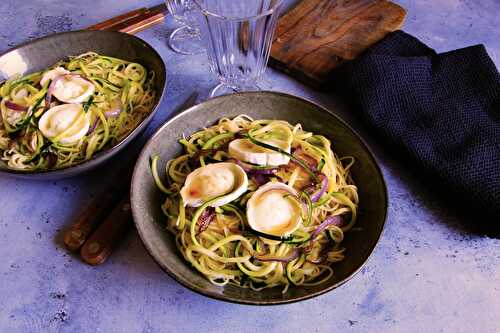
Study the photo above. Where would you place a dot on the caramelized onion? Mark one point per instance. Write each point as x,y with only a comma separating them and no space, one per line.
15,107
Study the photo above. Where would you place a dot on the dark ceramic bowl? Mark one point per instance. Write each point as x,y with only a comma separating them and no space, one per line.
150,221
44,52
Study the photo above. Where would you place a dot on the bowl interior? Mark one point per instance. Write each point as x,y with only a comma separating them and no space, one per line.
146,198
44,52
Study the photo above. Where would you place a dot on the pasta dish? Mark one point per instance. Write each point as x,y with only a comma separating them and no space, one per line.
259,203
65,114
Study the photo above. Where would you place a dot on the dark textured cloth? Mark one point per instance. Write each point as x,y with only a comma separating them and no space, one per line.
440,110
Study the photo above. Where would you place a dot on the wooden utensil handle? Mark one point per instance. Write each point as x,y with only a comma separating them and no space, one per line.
117,19
94,213
134,21
100,245
145,22
89,219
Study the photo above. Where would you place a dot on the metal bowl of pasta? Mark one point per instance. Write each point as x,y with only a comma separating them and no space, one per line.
258,198
70,101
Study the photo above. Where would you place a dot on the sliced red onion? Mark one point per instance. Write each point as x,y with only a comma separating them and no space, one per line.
324,185
51,160
116,109
308,160
92,129
292,256
113,113
246,168
259,179
318,261
50,91
15,107
330,220
48,99
258,171
206,217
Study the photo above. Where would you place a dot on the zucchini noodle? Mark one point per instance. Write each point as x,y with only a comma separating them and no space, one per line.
228,251
124,95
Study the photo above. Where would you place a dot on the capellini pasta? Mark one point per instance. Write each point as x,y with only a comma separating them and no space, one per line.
259,203
67,113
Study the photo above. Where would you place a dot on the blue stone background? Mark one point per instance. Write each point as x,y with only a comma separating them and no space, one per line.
428,274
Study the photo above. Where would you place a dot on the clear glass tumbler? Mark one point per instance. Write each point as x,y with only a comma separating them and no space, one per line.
238,35
187,38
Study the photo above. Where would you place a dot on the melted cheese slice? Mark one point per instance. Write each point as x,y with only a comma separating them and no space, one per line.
272,212
73,89
245,150
65,123
52,74
214,180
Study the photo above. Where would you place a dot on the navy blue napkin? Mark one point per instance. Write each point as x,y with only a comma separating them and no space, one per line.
440,111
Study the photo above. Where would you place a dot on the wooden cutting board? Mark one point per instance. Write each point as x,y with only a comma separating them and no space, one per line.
319,35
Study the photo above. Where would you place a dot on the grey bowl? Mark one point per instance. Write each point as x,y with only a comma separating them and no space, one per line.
146,198
44,52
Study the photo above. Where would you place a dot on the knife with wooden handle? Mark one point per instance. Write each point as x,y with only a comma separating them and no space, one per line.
99,246
89,219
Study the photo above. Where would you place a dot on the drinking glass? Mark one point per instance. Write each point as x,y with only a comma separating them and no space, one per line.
186,39
238,35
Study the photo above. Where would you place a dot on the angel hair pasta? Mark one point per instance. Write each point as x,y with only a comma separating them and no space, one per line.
259,203
65,114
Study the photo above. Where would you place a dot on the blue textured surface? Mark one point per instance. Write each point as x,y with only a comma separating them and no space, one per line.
427,274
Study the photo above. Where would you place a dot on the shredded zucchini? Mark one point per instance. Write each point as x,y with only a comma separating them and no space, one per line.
113,79
228,250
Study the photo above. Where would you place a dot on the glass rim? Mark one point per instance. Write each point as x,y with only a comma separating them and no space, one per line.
234,18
